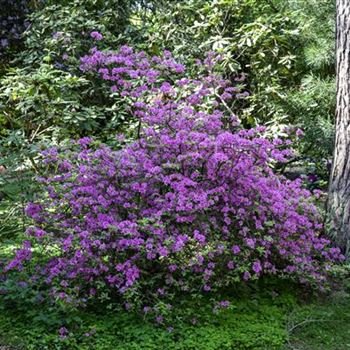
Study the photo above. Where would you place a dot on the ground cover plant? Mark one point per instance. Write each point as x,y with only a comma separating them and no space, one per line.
92,329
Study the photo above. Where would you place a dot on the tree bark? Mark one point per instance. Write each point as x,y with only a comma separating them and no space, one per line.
338,205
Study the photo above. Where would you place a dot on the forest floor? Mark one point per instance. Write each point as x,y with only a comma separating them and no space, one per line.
316,326
270,316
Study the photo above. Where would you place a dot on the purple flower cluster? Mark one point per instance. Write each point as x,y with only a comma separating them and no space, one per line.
96,36
191,204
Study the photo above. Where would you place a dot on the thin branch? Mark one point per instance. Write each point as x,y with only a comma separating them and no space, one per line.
226,105
305,322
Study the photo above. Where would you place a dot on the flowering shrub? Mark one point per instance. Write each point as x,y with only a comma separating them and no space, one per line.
191,205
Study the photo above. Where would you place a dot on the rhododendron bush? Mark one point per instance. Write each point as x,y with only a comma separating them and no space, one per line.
191,205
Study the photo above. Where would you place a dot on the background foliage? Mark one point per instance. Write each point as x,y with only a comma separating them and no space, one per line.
285,48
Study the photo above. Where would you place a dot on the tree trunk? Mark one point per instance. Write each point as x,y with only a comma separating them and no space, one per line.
338,205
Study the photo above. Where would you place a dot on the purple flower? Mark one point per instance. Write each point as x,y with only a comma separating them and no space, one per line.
299,133
63,332
198,237
147,309
96,36
85,141
224,304
250,243
246,276
236,249
161,291
165,88
257,268
172,267
230,265
33,209
207,288
159,319
22,284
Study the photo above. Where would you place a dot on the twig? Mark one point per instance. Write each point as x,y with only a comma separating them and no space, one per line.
226,106
305,322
